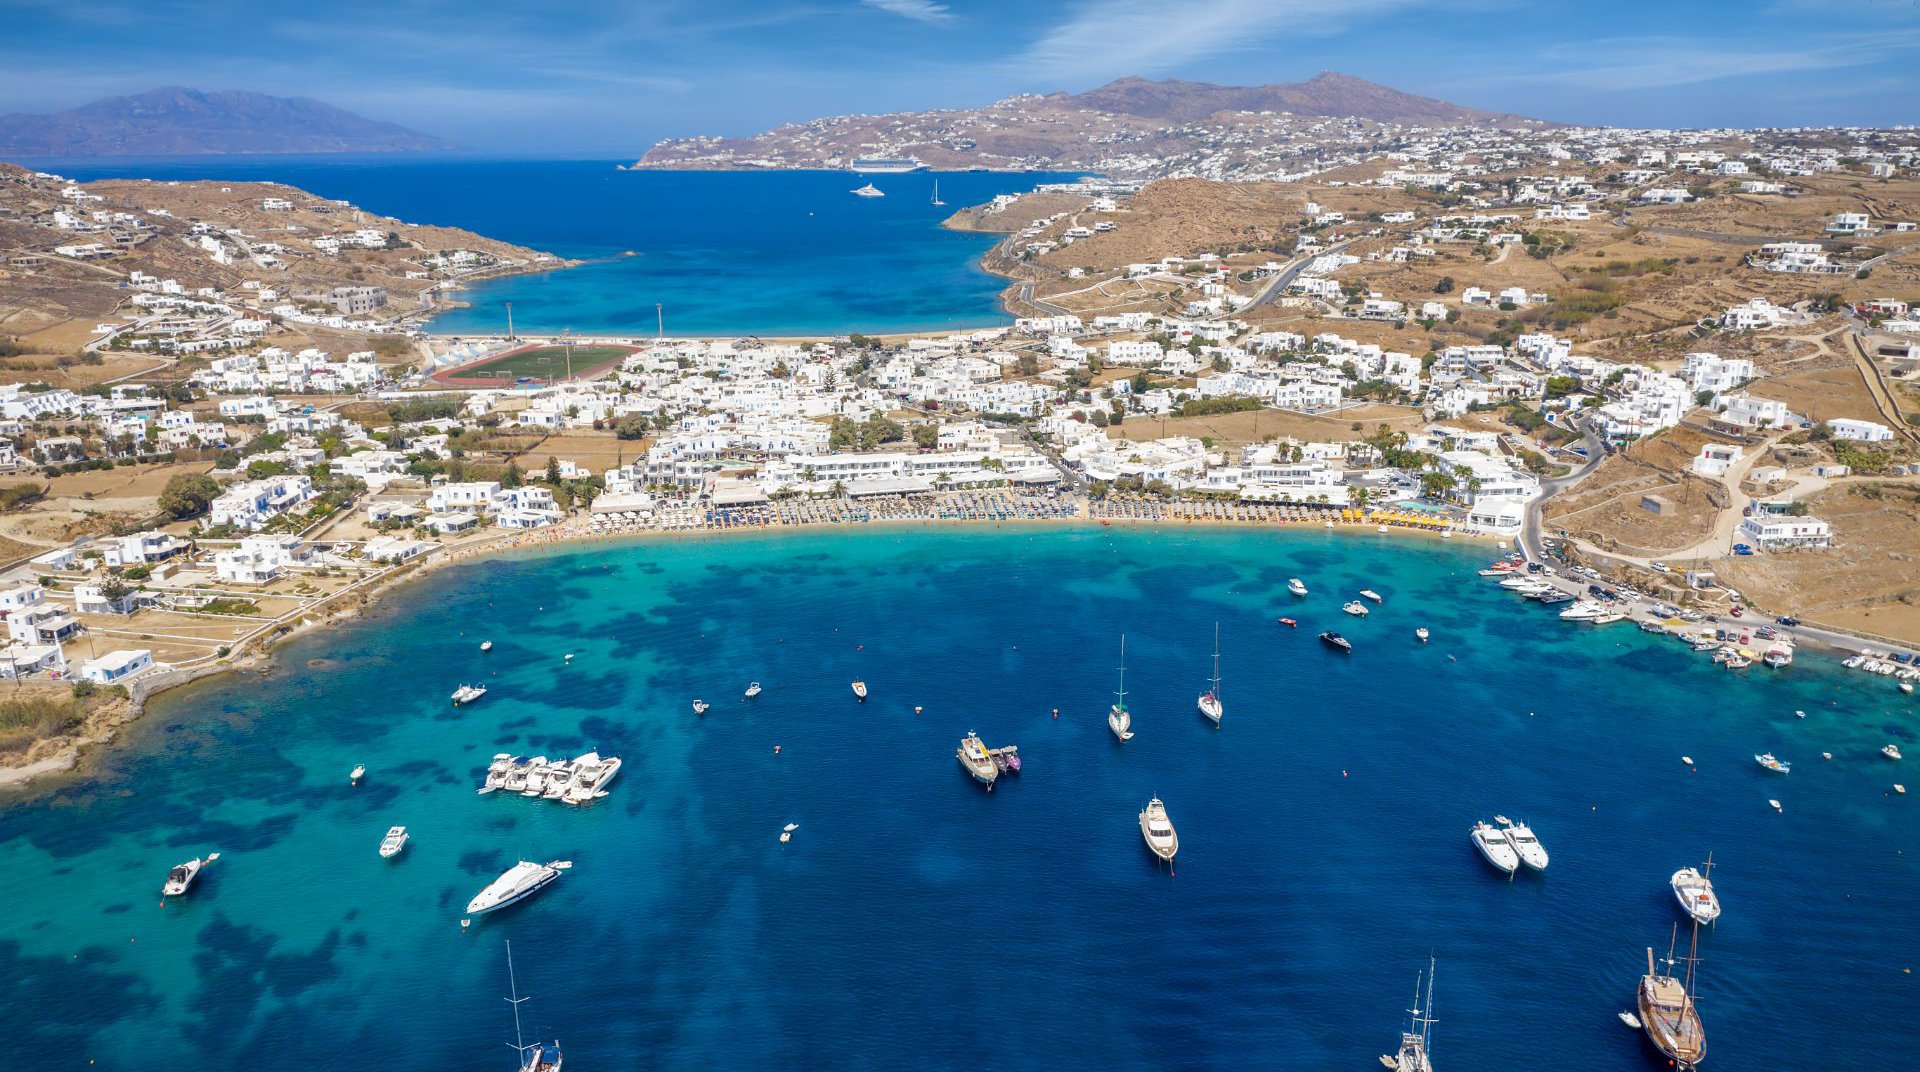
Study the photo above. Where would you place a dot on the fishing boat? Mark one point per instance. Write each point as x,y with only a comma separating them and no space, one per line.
753,689
1158,831
700,707
1525,844
1294,586
1493,844
1370,594
1422,634
1413,1055
1693,889
1119,719
1210,700
860,690
181,878
535,1056
869,190
786,832
516,884
979,763
1355,608
1765,759
486,645
1334,640
936,202
395,840
467,694
1667,1010
1891,751
358,772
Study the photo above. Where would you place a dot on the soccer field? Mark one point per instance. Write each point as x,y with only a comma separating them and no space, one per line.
540,363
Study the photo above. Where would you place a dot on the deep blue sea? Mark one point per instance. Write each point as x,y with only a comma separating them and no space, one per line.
916,921
723,253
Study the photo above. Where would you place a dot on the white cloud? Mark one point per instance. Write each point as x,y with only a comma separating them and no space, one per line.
918,10
1102,40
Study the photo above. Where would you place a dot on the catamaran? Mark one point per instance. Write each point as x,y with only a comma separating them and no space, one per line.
516,884
1119,719
1210,699
1158,831
973,755
535,1056
1694,890
1667,1010
1414,1042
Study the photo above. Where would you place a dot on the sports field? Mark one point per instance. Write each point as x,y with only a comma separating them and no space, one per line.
536,363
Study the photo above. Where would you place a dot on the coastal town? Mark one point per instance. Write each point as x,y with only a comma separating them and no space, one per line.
1611,349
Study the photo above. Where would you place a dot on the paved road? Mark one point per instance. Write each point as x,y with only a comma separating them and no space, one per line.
1278,284
1530,523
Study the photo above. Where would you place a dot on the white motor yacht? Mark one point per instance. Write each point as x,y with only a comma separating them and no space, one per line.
1526,845
1583,611
181,878
1370,594
1694,890
395,840
1493,844
1892,751
1158,830
753,689
869,190
467,694
592,773
973,755
1294,586
516,884
358,772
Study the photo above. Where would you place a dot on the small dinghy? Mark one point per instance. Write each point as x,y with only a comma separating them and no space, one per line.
359,771
1422,634
1630,1020
786,832
753,689
700,707
486,645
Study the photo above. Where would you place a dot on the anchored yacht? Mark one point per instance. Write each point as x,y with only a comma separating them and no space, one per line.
1413,1055
180,879
1158,831
869,190
1210,700
516,884
1493,844
467,694
753,689
1119,719
1294,586
1356,608
1765,759
1668,1015
534,1056
1526,845
973,755
395,840
860,690
1694,890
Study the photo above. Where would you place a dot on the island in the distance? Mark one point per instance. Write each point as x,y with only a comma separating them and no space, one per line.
176,121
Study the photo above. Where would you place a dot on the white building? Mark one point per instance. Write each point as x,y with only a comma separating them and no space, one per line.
252,504
1859,431
116,667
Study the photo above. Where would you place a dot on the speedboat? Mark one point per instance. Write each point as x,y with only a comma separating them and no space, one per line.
973,755
860,689
395,840
486,645
1693,889
1288,622
1493,844
1526,845
1422,634
1294,586
753,690
466,694
180,879
358,772
1891,751
700,707
519,775
1356,608
1368,593
516,884
1334,640
1158,831
786,832
1765,759
592,773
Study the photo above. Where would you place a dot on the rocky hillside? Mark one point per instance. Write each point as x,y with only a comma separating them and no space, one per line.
176,121
1325,94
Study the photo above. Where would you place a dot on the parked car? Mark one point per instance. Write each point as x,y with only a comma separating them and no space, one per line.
1786,619
1660,567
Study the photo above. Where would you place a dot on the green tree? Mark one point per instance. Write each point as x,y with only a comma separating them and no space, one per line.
511,478
1445,286
926,436
188,495
1436,484
553,469
1027,365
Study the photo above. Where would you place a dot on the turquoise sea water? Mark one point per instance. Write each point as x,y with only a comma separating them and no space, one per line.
916,921
725,253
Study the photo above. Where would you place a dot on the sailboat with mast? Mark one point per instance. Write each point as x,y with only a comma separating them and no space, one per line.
1119,719
1416,1040
1667,1009
936,194
1210,699
535,1056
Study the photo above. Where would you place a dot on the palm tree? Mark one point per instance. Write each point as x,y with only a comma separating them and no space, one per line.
839,489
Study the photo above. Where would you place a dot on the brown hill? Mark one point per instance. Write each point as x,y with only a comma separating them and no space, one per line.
1325,94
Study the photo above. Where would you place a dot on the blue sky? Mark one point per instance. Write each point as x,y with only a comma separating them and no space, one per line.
607,78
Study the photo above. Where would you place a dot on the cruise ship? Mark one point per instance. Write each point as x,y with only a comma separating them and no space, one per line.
885,165
516,884
973,755
1414,1055
1694,890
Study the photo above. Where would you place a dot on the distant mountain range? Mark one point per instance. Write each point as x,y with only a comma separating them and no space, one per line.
1130,127
175,121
